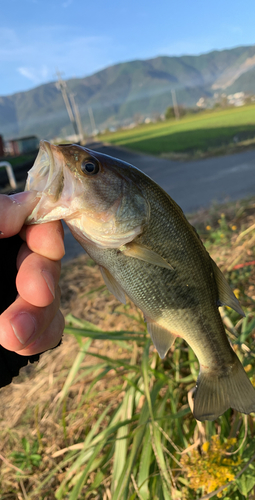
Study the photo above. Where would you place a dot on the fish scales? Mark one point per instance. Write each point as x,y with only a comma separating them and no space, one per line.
147,249
171,298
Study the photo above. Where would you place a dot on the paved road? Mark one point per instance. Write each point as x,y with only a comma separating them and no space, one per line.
192,185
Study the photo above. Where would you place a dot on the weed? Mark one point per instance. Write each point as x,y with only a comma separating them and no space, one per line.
29,457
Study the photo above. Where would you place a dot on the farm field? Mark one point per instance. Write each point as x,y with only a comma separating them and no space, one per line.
205,132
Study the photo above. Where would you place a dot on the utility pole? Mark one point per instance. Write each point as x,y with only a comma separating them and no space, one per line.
175,105
61,85
92,119
77,116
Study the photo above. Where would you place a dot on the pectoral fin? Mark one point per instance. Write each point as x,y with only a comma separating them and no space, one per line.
226,295
112,285
143,253
162,339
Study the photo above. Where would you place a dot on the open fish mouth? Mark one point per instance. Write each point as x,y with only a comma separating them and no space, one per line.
41,174
54,184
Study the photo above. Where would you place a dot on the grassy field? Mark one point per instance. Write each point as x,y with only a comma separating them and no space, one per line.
107,419
203,132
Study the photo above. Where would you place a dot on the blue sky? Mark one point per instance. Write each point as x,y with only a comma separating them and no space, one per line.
80,37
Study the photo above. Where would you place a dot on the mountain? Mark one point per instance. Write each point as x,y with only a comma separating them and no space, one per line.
119,93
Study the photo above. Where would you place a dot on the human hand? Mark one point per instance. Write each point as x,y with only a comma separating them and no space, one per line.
32,323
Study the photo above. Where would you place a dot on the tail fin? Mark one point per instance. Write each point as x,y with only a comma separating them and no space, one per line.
215,394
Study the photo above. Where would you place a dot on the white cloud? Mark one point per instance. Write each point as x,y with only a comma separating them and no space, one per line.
27,73
36,75
38,51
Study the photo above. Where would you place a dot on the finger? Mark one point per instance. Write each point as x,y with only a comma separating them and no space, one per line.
14,210
37,278
23,253
46,239
22,323
48,339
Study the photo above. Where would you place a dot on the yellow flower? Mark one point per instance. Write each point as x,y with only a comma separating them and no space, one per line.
248,368
237,292
234,228
231,441
213,468
208,228
205,446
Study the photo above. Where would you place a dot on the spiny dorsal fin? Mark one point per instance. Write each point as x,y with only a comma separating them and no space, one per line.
226,295
143,253
162,338
112,285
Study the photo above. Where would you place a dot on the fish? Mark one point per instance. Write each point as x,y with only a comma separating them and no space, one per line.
148,251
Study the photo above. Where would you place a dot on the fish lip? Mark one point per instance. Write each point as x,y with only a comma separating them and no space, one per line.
46,177
46,146
45,172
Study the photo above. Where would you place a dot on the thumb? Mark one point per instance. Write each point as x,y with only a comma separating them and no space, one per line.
14,210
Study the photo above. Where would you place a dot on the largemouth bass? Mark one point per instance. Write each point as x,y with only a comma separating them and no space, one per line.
147,250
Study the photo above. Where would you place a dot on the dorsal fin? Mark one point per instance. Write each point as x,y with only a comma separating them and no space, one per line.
226,295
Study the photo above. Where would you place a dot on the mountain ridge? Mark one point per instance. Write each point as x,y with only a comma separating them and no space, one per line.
119,92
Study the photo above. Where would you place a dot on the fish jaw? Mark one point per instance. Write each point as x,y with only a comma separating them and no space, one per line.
97,209
56,188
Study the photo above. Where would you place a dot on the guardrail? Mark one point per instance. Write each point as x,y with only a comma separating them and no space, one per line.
10,173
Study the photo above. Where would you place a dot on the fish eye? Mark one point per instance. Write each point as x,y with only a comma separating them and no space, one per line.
90,167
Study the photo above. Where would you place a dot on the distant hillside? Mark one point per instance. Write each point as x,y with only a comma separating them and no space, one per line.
120,92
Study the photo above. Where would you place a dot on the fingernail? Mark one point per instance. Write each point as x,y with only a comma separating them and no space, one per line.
24,327
49,282
24,197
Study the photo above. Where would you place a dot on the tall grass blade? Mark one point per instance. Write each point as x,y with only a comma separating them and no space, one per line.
121,445
144,466
121,492
75,367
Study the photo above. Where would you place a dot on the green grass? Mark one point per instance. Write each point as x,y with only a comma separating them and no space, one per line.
202,132
122,429
142,450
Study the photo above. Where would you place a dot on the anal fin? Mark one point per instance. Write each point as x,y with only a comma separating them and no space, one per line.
162,338
112,285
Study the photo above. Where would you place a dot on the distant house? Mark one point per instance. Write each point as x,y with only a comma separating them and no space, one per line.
201,103
237,99
22,145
